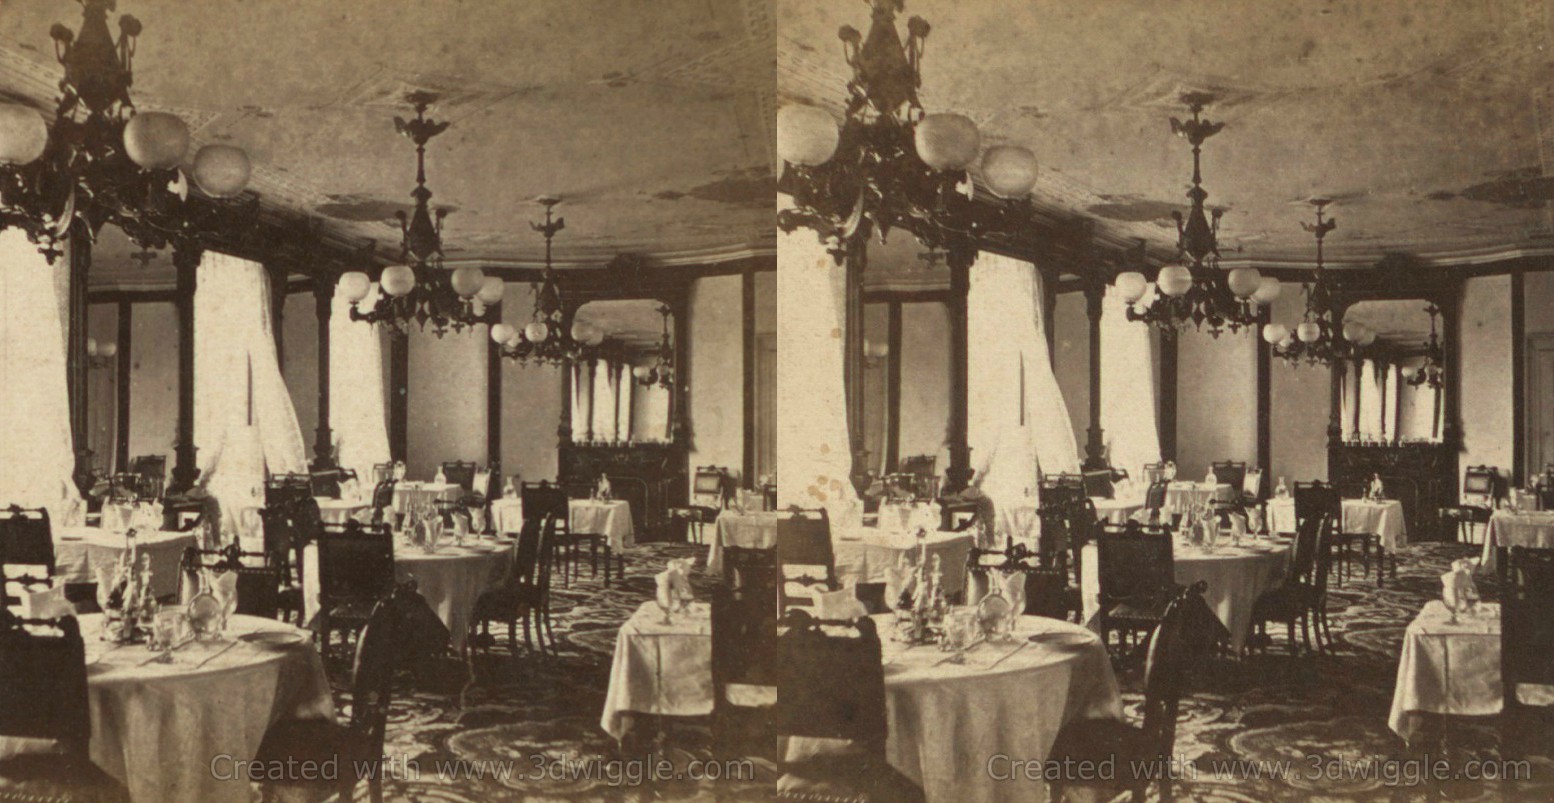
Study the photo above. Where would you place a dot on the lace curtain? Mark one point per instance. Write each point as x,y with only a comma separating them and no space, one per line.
606,417
812,440
244,424
357,414
580,374
624,389
1372,396
1128,416
1019,425
36,455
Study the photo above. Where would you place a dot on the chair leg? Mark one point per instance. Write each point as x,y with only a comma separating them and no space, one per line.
1381,565
609,560
593,559
1305,633
1294,646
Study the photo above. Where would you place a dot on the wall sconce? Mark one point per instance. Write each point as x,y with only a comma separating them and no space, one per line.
100,355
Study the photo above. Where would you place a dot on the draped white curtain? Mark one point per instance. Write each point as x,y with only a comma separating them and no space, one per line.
812,441
581,377
36,454
605,417
624,389
1389,400
356,410
1372,399
1018,422
244,424
1127,386
1349,400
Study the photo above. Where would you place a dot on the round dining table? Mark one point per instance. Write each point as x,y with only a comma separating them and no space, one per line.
949,722
451,578
81,552
166,729
1236,577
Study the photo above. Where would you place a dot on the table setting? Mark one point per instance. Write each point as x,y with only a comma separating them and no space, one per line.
1510,527
170,699
1237,567
1377,515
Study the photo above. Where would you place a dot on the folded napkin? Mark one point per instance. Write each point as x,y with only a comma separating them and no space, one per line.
842,604
49,603
223,586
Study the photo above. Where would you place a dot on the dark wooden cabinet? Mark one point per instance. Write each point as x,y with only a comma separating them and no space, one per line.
1423,476
649,476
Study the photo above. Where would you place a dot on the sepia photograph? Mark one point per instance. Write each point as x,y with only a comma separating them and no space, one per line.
393,397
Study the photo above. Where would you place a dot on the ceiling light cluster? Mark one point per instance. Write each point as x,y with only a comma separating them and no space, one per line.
421,291
1318,339
102,161
1194,291
889,162
546,338
1433,371
661,372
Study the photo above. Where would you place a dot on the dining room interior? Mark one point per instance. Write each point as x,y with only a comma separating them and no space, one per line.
395,397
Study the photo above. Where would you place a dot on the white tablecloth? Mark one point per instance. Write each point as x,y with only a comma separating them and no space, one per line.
1507,529
1384,517
750,530
450,580
946,721
339,511
1447,668
507,515
80,551
864,554
1182,496
408,494
158,727
1236,577
611,518
660,669
1116,511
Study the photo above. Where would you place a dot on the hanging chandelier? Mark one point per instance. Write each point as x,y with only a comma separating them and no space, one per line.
546,338
889,161
1318,339
1433,371
421,291
1196,292
661,372
102,161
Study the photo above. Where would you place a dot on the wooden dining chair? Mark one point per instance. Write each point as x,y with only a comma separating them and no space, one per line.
356,748
849,716
460,473
1185,636
1481,489
744,670
1136,567
1301,598
44,696
26,553
711,489
1045,583
1526,642
355,572
523,594
1229,472
804,556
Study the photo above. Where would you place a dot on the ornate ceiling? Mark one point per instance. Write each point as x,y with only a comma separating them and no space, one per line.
1431,123
653,120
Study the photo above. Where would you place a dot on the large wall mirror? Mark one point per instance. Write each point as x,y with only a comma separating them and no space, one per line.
1396,394
624,396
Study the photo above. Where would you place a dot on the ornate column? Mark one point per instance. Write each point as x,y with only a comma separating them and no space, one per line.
399,395
1095,440
893,389
959,472
122,388
747,357
1264,397
679,400
323,307
186,261
1168,376
852,355
494,394
75,354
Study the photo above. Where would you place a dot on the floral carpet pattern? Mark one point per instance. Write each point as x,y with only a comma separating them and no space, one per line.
541,712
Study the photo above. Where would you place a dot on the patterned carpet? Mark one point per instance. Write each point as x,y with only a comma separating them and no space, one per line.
1268,707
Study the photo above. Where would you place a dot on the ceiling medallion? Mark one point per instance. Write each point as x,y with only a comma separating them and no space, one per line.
1433,371
421,291
661,372
102,161
1317,340
546,338
1195,292
890,163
